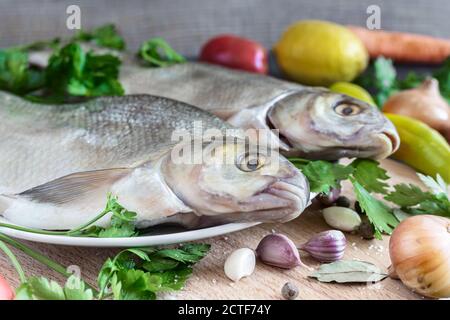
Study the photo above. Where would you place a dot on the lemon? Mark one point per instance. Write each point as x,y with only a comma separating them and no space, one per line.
317,52
353,90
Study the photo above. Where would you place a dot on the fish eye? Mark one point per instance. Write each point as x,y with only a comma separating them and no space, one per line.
347,109
251,162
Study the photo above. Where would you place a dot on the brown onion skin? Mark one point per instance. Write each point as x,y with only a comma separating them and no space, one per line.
420,253
423,103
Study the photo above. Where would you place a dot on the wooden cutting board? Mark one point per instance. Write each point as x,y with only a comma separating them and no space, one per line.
209,281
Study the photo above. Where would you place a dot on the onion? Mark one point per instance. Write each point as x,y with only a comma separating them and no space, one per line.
423,103
420,253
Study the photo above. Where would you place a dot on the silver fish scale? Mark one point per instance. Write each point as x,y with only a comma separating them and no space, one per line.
218,90
40,142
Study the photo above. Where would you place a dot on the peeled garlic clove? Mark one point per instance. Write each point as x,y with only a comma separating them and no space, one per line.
279,251
341,218
327,246
240,263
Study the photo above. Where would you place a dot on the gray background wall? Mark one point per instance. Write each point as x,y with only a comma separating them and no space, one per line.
186,24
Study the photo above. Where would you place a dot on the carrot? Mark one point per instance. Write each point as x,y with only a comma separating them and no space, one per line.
403,47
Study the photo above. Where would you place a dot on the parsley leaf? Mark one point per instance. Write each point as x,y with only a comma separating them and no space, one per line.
415,201
122,222
189,253
158,53
370,175
436,186
378,213
75,289
132,285
40,288
411,80
15,73
408,195
366,177
323,175
104,36
71,71
443,76
143,272
381,77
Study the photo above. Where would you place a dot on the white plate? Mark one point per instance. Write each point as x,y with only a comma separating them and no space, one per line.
145,240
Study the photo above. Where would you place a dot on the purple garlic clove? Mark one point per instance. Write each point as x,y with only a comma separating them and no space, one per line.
279,251
327,246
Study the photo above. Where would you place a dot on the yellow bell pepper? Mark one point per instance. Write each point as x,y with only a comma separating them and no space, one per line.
421,147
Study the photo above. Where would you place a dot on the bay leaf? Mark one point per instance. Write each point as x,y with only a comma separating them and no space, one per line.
345,271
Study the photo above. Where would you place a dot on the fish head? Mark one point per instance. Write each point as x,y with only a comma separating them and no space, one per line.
320,124
239,182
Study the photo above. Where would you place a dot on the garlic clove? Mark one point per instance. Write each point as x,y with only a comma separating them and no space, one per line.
279,251
344,219
327,246
240,263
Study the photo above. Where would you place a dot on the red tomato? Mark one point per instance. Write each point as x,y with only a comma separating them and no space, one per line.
6,293
235,52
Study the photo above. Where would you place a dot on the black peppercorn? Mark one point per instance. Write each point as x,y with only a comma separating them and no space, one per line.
289,291
366,230
343,202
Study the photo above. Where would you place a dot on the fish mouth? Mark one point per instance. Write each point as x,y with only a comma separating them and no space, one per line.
282,201
394,139
390,143
293,194
284,142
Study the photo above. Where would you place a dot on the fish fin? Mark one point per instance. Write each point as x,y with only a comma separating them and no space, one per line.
73,186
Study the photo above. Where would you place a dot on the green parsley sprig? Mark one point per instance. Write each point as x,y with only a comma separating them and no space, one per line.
122,224
139,274
413,200
16,75
136,273
104,36
368,178
157,52
365,175
71,71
